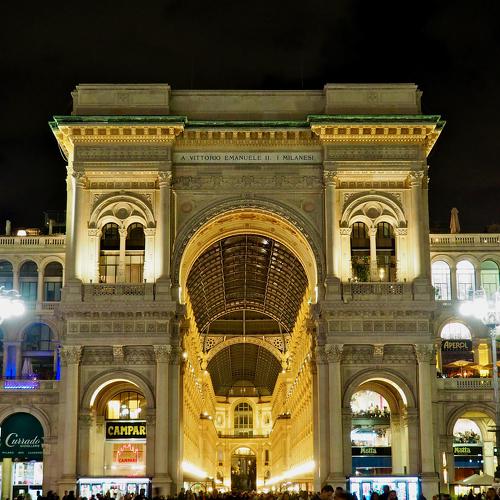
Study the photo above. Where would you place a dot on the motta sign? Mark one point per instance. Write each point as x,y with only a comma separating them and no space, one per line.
21,437
468,450
456,345
126,430
304,157
371,451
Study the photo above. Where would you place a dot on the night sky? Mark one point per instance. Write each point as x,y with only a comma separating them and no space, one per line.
451,49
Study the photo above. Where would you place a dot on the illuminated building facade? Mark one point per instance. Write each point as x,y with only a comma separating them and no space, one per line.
247,295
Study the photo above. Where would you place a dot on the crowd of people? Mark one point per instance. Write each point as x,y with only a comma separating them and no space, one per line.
327,493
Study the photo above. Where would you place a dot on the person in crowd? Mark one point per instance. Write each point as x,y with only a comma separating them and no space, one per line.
374,496
385,492
393,495
326,492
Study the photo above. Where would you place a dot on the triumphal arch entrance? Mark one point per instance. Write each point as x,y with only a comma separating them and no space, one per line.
247,299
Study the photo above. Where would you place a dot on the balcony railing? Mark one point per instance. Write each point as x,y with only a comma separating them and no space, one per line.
464,240
40,306
117,291
472,384
240,436
28,385
33,241
363,291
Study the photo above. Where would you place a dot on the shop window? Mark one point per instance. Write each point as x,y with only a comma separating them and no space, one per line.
467,449
6,275
28,279
386,252
457,355
52,282
465,280
38,352
490,278
243,420
360,252
127,405
441,280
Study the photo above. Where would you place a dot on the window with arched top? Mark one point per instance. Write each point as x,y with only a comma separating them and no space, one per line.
455,331
243,420
360,252
39,352
441,280
134,253
28,281
6,274
386,252
465,280
109,255
52,282
490,277
126,405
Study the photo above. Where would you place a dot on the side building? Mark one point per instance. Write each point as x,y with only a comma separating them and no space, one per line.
247,296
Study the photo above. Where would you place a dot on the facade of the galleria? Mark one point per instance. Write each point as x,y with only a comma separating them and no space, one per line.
247,295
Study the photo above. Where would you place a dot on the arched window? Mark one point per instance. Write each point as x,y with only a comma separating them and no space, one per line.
39,352
134,253
28,279
109,254
441,280
360,252
6,274
465,280
52,282
456,350
490,278
126,405
455,331
386,252
243,420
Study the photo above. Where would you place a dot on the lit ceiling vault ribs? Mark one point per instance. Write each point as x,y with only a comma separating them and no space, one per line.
246,273
246,285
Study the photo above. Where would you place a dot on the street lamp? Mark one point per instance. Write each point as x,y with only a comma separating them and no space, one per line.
488,312
10,304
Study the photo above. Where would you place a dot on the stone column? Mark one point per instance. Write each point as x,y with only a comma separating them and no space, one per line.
85,423
372,231
412,423
161,478
453,282
39,287
163,234
121,259
488,457
175,422
401,253
345,254
331,231
94,236
321,418
450,459
151,445
6,478
15,278
425,355
396,445
70,356
149,255
334,356
417,224
97,463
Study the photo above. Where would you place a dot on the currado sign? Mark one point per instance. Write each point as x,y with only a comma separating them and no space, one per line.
126,430
21,437
456,345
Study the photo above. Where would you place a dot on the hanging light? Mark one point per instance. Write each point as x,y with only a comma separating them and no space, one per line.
11,304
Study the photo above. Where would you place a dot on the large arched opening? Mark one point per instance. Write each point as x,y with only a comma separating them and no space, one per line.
248,279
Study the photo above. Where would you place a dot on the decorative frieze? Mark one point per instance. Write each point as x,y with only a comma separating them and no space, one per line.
357,354
374,153
122,153
97,356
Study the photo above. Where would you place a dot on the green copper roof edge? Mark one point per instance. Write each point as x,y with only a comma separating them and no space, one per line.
248,123
65,119
374,118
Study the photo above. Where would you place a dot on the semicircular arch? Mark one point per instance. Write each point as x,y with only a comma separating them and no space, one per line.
249,340
391,378
95,387
236,217
39,414
459,412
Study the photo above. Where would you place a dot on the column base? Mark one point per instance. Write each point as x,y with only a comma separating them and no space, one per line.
422,289
333,289
162,485
336,479
430,484
66,483
72,291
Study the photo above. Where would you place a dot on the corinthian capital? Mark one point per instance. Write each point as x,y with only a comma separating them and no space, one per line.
165,178
71,354
162,353
415,178
424,352
334,352
330,178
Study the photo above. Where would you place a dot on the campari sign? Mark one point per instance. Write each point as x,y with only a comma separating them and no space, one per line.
21,437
